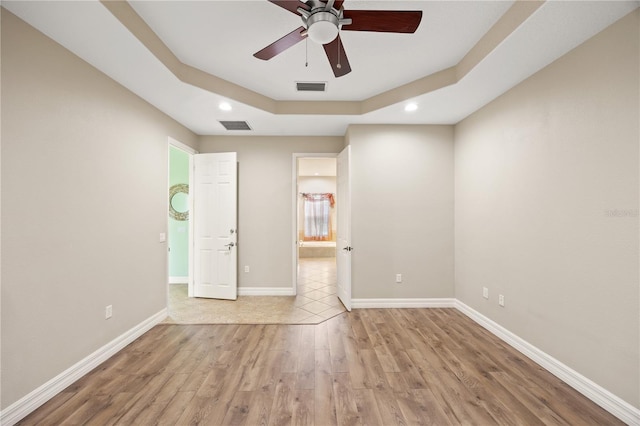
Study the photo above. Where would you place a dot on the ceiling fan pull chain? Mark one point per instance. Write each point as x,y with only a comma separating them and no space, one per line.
338,65
306,52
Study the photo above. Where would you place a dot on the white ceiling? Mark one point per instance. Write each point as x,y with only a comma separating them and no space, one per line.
216,37
220,37
320,166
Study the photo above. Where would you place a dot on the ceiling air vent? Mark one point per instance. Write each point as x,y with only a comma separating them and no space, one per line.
235,125
310,86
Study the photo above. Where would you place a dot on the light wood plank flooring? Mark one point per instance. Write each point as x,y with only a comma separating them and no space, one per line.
367,367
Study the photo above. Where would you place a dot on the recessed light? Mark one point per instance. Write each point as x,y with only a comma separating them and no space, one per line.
411,107
225,106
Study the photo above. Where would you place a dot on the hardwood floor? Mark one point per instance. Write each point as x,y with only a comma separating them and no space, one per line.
367,367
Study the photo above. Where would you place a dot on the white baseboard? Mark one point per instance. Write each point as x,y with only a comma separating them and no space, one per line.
178,280
24,406
596,393
402,303
266,291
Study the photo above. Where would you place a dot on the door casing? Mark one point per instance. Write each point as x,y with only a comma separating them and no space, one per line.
343,241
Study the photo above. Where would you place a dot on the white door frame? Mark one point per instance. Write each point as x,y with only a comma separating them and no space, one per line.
294,208
343,240
191,152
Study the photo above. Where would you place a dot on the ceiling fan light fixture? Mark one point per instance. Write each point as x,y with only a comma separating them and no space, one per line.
322,27
323,20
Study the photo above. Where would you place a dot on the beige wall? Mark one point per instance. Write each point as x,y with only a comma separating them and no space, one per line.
401,210
265,203
84,198
547,209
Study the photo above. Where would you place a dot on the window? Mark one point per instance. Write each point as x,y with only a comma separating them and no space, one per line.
317,216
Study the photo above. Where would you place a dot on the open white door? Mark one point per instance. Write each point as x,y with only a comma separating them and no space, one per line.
343,243
215,253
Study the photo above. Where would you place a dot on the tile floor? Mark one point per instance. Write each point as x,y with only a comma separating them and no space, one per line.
316,301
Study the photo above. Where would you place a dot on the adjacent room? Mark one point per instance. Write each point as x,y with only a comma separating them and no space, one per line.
322,212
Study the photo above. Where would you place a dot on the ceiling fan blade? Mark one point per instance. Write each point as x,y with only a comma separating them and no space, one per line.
337,4
282,44
386,21
291,5
337,57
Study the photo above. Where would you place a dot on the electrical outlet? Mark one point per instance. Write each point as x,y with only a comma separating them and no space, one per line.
246,268
108,312
501,300
398,278
485,292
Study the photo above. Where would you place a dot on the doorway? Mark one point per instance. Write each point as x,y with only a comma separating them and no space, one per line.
315,226
179,225
339,278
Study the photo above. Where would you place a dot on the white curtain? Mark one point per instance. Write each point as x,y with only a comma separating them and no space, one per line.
317,216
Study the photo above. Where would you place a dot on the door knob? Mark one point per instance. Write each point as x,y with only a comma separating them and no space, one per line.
348,248
230,245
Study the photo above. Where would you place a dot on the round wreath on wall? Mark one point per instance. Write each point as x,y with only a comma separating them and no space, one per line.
179,203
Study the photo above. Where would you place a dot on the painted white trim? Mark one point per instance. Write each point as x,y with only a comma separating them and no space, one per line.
27,404
179,280
182,146
596,393
403,303
294,221
266,291
190,259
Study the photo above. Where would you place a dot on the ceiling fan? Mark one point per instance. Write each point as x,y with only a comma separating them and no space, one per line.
323,20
